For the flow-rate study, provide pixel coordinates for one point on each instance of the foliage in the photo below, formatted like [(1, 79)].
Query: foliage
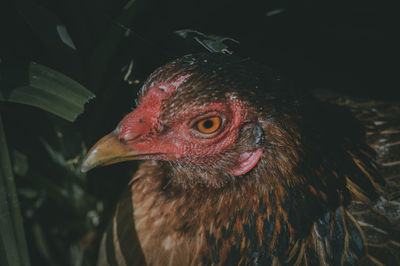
[(11, 231), (49, 90), (45, 88)]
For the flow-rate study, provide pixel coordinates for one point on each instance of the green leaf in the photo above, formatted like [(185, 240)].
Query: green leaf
[(20, 163), (213, 43), (12, 237), (40, 86)]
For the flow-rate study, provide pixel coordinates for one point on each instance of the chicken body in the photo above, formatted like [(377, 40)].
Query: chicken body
[(241, 169)]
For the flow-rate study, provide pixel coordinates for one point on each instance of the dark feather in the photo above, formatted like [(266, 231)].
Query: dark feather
[(317, 196)]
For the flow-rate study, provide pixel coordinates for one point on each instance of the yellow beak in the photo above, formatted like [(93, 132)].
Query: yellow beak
[(108, 150)]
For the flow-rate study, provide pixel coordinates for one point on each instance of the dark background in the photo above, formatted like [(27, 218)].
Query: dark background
[(345, 46)]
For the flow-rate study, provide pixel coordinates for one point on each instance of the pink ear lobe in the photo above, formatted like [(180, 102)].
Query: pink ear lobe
[(246, 162)]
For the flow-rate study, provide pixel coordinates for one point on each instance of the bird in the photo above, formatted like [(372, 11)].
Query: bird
[(241, 167)]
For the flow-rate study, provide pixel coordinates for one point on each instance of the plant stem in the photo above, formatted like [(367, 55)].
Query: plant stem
[(12, 234)]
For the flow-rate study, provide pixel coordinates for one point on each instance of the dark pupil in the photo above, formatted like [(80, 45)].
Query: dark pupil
[(208, 124)]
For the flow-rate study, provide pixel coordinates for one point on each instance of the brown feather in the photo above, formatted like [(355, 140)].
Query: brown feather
[(316, 197)]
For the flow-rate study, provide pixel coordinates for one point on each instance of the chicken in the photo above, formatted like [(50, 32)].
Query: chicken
[(243, 169)]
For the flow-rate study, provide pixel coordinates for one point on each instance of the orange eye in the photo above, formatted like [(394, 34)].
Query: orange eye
[(209, 125)]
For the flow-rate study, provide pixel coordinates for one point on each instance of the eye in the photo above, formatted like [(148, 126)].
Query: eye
[(208, 125)]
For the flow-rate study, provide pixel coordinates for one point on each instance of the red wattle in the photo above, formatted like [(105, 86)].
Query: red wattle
[(246, 162)]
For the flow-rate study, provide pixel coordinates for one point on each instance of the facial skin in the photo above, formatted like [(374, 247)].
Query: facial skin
[(199, 134)]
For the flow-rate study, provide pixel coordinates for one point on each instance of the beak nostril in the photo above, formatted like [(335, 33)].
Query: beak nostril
[(124, 138)]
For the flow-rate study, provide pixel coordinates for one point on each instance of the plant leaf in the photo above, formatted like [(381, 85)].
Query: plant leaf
[(40, 86), (12, 237), (213, 43)]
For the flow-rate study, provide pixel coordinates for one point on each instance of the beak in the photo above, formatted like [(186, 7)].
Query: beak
[(108, 150)]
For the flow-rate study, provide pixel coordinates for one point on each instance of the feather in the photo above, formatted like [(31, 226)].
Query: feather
[(325, 190)]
